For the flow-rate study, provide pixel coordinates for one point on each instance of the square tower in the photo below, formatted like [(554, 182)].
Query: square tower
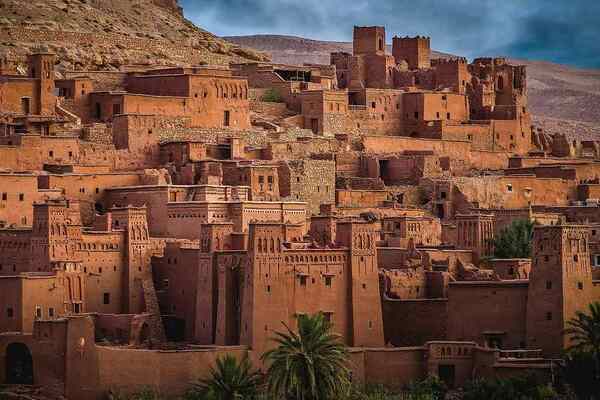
[(41, 67), (560, 283), (369, 40), (416, 51)]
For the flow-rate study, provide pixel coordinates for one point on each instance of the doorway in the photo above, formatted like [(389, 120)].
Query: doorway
[(447, 374), (19, 365), (25, 105), (314, 125)]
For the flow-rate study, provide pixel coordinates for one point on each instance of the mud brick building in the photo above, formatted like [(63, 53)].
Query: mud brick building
[(156, 218)]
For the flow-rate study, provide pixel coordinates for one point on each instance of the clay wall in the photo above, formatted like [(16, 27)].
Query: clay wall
[(360, 198), (507, 269), (492, 309), (88, 189), (414, 322)]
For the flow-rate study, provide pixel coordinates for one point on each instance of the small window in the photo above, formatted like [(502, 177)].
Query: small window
[(38, 312), (51, 312), (575, 258), (21, 197), (327, 281), (70, 154), (548, 316), (261, 179), (10, 312), (448, 116), (328, 316), (303, 280), (4, 196), (268, 288), (580, 285), (416, 115), (373, 105), (364, 285), (370, 324), (106, 298), (548, 285), (50, 154), (270, 179), (509, 188)]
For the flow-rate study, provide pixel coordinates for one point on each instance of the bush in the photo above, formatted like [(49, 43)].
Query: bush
[(431, 388), (514, 241), (518, 388), (271, 96)]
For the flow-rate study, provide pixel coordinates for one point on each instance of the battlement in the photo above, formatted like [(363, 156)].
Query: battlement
[(416, 51), (449, 61)]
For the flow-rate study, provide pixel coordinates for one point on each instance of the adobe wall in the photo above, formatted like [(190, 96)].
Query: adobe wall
[(475, 308), (17, 194), (394, 367), (360, 198), (414, 322)]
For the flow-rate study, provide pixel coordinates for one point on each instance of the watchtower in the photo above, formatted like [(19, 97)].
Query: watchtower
[(369, 40), (41, 67), (560, 283), (416, 51)]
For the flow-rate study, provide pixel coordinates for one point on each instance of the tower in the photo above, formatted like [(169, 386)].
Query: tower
[(369, 40), (560, 283), (365, 299), (55, 233), (41, 67), (137, 267), (416, 51)]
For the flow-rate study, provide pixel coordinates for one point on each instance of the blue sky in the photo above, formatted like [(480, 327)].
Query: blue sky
[(561, 31)]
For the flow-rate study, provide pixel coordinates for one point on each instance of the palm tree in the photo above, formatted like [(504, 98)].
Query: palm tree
[(584, 330), (230, 380), (309, 365)]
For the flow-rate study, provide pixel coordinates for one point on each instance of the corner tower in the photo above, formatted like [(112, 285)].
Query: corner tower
[(560, 284)]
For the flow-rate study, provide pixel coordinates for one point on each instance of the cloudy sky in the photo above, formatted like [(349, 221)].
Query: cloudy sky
[(564, 31)]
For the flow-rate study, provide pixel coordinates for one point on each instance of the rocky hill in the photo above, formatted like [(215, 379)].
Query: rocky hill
[(109, 34), (562, 98)]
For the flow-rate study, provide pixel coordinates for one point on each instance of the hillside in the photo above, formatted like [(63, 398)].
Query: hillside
[(109, 34), (561, 98)]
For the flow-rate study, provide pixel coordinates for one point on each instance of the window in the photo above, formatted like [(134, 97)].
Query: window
[(437, 115), (51, 312), (328, 316), (448, 116), (548, 285), (38, 312), (580, 285), (21, 197), (575, 258), (50, 154), (509, 188), (76, 308), (268, 288), (370, 324), (416, 115), (303, 280), (4, 196), (548, 316), (226, 118), (327, 281), (70, 154), (10, 312), (106, 298), (116, 109)]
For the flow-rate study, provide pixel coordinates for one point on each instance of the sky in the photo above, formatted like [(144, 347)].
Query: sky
[(562, 31)]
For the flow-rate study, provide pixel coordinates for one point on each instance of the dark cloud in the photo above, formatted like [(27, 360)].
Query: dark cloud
[(565, 31)]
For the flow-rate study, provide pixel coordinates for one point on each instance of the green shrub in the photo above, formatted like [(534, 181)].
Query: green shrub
[(271, 96)]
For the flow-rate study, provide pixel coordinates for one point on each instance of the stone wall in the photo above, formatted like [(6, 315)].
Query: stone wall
[(312, 181)]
